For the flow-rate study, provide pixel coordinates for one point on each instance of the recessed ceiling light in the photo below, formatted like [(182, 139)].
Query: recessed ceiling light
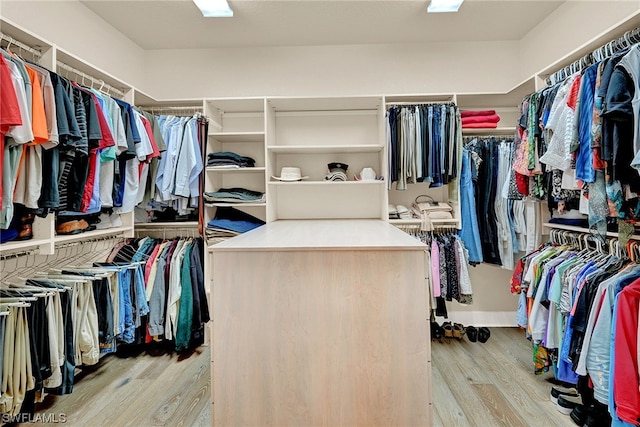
[(214, 8), (438, 6)]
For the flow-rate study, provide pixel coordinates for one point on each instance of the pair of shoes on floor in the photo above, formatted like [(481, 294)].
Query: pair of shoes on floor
[(454, 330), (481, 334)]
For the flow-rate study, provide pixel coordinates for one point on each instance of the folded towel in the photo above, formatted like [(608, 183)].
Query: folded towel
[(479, 125), (469, 113), (494, 118)]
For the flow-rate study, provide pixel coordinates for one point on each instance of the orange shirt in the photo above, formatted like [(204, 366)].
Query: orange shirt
[(38, 114)]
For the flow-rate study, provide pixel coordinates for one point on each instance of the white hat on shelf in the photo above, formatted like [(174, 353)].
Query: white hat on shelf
[(290, 174)]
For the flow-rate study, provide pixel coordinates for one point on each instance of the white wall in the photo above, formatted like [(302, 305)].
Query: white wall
[(332, 70), (76, 29), (572, 25)]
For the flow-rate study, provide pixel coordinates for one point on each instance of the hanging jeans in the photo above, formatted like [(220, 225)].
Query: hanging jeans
[(469, 232)]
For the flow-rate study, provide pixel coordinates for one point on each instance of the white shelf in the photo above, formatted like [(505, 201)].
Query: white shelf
[(227, 204), (168, 224), (325, 183), (67, 238), (22, 245), (237, 136), (320, 104), (316, 149), (236, 170), (412, 221), (582, 230), (493, 131)]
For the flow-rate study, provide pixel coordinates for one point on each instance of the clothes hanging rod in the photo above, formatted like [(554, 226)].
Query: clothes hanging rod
[(89, 240), (173, 109), (417, 104), (18, 254), (103, 85), (11, 41), (627, 40)]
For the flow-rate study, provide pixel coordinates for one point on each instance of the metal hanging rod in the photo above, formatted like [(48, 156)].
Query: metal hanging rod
[(173, 110), (625, 41), (90, 240), (418, 104), (11, 41), (18, 254), (103, 86)]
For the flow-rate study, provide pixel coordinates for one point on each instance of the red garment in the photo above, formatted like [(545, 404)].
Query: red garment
[(91, 180), (626, 376), (482, 125), (9, 109), (470, 113), (154, 145), (106, 141), (493, 118), (522, 182), (516, 278), (572, 100)]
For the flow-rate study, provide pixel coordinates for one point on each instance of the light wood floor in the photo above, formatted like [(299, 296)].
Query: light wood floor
[(474, 384)]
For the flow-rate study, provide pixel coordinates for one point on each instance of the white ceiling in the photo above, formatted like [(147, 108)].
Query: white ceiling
[(178, 24)]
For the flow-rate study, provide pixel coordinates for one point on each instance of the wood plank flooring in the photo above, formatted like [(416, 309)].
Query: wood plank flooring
[(474, 384)]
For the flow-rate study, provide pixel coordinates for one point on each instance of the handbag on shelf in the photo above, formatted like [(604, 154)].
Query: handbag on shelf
[(429, 210), (431, 205)]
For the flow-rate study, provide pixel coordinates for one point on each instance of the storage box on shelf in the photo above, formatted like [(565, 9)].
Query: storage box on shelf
[(236, 125), (310, 133)]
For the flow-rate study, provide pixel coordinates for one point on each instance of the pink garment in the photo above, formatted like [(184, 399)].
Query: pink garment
[(470, 113), (493, 118), (483, 125), (149, 264), (435, 269)]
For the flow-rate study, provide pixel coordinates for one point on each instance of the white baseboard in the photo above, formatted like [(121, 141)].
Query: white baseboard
[(482, 318)]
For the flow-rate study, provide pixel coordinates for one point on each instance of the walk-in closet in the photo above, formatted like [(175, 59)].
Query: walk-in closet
[(320, 213)]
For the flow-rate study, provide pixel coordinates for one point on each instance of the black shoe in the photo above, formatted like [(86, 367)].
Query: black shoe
[(437, 333), (598, 416), (579, 414), (483, 334), (566, 403), (472, 333), (558, 391)]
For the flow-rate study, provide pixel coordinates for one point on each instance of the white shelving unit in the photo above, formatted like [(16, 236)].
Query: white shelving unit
[(236, 125), (310, 133)]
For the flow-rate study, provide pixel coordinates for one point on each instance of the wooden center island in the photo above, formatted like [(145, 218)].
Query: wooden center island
[(320, 323)]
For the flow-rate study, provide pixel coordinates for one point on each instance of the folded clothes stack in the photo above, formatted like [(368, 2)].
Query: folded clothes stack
[(229, 160), (234, 195), (479, 119), (230, 222)]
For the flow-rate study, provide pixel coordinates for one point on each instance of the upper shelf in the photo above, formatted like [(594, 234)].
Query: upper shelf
[(314, 149), (417, 99), (237, 136), (510, 99), (236, 105), (281, 104), (506, 131)]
